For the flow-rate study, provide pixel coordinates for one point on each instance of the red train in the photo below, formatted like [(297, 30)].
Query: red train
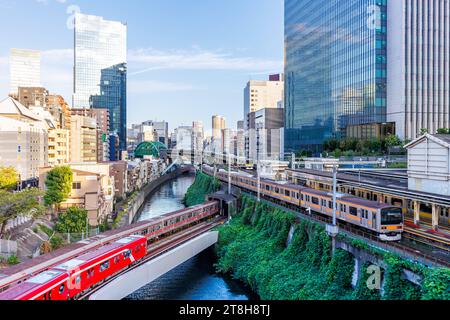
[(70, 279)]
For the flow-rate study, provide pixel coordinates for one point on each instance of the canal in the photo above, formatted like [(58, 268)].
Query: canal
[(195, 279)]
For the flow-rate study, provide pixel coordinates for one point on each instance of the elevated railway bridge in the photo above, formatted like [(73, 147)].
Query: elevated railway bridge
[(114, 264)]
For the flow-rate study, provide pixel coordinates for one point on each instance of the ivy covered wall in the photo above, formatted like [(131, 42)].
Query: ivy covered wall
[(202, 186), (252, 248)]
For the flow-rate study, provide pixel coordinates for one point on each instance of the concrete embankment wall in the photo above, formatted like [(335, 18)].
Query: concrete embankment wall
[(148, 190)]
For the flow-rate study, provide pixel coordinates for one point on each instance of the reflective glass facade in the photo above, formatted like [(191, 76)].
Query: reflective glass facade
[(113, 96), (336, 57), (99, 44)]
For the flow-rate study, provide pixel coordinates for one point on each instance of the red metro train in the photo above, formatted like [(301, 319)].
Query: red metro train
[(70, 279)]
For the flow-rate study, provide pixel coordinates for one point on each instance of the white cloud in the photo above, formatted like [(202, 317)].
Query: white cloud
[(145, 60), (45, 2), (57, 68)]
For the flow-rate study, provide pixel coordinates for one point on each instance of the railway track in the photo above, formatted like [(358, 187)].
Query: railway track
[(161, 248)]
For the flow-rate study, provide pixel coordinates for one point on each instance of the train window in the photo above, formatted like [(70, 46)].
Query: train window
[(287, 193), (104, 266), (303, 197), (63, 287), (324, 203), (330, 204), (277, 190), (127, 254), (77, 281), (116, 260), (391, 216), (343, 208), (315, 200), (353, 211)]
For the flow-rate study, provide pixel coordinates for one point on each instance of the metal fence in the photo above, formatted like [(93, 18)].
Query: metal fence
[(77, 237)]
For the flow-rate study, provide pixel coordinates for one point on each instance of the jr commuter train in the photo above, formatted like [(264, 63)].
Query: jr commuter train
[(384, 220)]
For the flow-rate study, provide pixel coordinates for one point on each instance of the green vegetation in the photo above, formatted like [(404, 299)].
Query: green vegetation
[(8, 178), (13, 260), (74, 220), (253, 249), (55, 240), (356, 147), (203, 185), (24, 203), (443, 131), (123, 208), (59, 185)]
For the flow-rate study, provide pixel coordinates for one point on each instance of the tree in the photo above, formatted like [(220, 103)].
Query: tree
[(443, 131), (393, 141), (8, 178), (72, 221), (423, 131), (59, 185), (24, 203)]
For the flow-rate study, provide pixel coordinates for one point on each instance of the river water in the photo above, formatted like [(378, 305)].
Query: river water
[(195, 279)]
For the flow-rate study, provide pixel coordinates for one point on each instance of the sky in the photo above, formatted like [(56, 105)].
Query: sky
[(187, 59)]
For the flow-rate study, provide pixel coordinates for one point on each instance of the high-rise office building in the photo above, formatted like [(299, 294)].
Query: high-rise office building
[(162, 130), (218, 125), (25, 69), (198, 137), (365, 69), (113, 96), (263, 94), (418, 95), (336, 71), (99, 44), (100, 70)]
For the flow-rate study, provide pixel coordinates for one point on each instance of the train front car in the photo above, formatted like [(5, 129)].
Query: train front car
[(391, 224), (94, 267), (49, 285)]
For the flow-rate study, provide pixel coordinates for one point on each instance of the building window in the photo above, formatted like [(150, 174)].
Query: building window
[(76, 186)]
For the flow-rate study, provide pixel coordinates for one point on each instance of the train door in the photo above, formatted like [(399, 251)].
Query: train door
[(374, 220), (364, 217), (444, 217)]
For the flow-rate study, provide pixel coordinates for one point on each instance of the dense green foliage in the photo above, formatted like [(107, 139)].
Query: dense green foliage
[(253, 249), (55, 240), (202, 186), (74, 220), (59, 185), (358, 147), (8, 178), (24, 203)]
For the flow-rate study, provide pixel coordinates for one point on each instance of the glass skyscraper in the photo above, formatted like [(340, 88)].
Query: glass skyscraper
[(335, 68), (113, 96), (100, 68), (25, 69)]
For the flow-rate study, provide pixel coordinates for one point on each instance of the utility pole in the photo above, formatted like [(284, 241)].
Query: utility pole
[(293, 161), (333, 230), (259, 180), (229, 173)]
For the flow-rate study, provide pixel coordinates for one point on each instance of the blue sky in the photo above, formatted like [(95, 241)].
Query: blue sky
[(188, 59)]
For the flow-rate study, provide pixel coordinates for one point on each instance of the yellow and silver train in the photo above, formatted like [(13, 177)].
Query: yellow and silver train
[(384, 220)]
